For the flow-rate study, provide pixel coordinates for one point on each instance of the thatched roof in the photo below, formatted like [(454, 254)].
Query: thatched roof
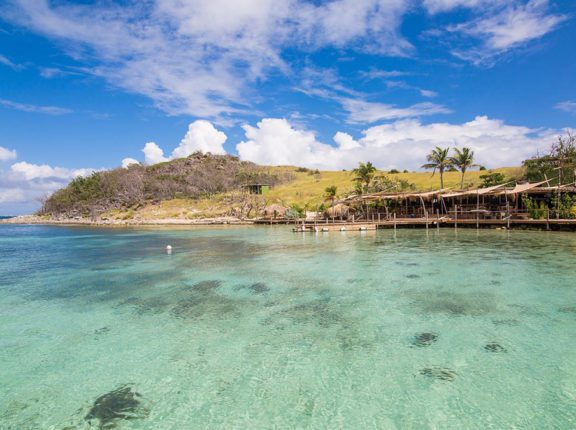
[(337, 210), (274, 210)]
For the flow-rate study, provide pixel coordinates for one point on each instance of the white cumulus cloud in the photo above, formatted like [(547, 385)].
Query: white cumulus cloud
[(201, 136), (153, 154), (127, 162), (24, 185), (276, 142), (29, 171), (7, 154), (402, 144), (13, 195)]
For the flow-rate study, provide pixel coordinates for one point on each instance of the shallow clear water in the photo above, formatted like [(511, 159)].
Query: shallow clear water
[(263, 328)]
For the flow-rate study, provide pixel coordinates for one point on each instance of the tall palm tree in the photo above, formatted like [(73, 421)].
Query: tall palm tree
[(364, 174), (439, 160), (330, 193), (463, 160)]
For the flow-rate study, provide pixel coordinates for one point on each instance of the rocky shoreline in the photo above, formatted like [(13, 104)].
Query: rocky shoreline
[(35, 219)]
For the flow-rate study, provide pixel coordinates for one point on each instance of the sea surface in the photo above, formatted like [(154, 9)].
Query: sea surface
[(259, 327)]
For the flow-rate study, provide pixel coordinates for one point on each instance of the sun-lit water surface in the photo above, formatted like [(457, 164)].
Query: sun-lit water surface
[(263, 328)]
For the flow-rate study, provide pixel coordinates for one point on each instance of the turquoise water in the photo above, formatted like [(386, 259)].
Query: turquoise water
[(262, 328)]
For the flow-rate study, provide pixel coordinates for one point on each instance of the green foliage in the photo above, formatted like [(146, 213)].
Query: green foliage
[(536, 209), (462, 160), (363, 176), (439, 160), (491, 179), (295, 212), (559, 165), (386, 183), (540, 168), (563, 207), (330, 192), (394, 171)]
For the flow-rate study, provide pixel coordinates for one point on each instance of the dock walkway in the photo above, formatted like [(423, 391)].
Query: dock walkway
[(538, 224)]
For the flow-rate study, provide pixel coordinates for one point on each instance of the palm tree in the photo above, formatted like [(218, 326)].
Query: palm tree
[(330, 193), (463, 160), (364, 174), (438, 160)]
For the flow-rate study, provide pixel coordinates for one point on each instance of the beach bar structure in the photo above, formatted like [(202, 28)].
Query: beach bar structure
[(500, 205)]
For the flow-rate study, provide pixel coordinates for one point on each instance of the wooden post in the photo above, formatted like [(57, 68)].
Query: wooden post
[(378, 217), (455, 216), (426, 214), (508, 216), (394, 221), (547, 218), (438, 219), (477, 210), (352, 218), (558, 200)]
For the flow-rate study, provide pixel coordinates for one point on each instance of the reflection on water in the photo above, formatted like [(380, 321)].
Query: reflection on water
[(259, 327)]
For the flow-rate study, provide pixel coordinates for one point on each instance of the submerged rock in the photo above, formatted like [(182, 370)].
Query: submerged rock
[(120, 404), (424, 339), (454, 304), (509, 322), (440, 373), (412, 276), (494, 347), (202, 299), (259, 288), (206, 285), (255, 288)]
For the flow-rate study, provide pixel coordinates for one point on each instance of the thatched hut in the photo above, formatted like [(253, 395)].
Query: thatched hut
[(339, 210), (274, 211)]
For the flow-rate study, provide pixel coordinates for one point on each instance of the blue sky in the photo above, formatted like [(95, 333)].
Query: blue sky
[(90, 85)]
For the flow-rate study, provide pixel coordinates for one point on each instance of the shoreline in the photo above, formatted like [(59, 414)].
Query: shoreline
[(38, 220)]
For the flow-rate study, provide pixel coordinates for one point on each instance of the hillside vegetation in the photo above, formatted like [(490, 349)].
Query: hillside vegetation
[(205, 186), (199, 176), (303, 189)]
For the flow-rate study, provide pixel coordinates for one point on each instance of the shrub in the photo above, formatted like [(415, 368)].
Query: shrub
[(492, 179)]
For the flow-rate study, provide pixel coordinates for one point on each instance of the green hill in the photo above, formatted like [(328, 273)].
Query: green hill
[(304, 189), (207, 186)]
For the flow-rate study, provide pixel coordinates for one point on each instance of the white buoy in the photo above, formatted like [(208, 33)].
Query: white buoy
[(169, 249)]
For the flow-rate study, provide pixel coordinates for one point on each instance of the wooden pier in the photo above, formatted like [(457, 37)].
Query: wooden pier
[(443, 222)]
